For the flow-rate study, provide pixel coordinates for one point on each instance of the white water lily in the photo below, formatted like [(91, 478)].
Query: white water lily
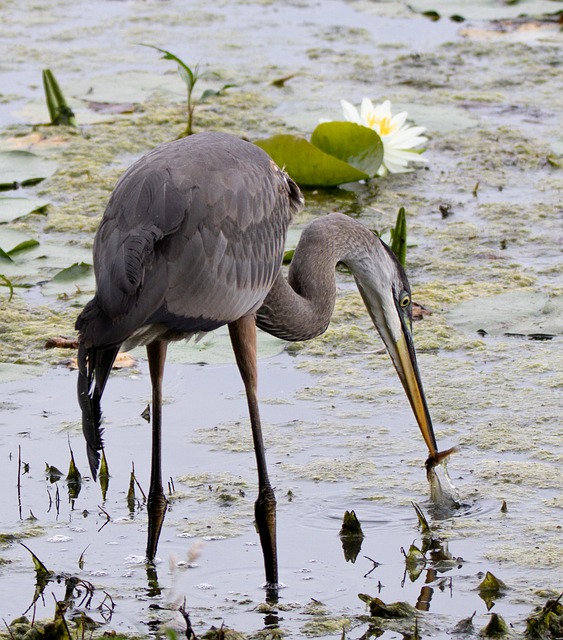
[(399, 139)]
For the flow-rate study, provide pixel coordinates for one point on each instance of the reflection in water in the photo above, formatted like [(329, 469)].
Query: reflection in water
[(351, 546), (423, 601), (271, 619), (441, 560), (103, 477), (432, 559), (73, 492), (153, 588), (56, 501), (73, 480), (78, 597), (415, 561)]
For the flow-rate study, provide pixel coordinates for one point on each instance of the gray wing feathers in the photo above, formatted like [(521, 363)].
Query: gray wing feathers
[(195, 229)]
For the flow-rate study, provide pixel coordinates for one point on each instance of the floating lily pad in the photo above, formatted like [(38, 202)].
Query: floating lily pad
[(441, 118), (70, 274), (14, 208), (10, 238), (128, 86), (37, 113), (77, 278), (23, 168), (517, 312), (308, 165), (214, 348), (10, 372), (356, 145), (12, 244), (40, 262), (484, 9)]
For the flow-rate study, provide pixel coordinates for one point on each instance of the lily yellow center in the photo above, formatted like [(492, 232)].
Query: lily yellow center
[(384, 124)]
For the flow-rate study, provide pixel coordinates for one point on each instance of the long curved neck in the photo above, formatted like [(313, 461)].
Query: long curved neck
[(300, 307)]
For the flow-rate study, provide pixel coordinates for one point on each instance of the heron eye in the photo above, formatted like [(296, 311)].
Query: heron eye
[(405, 300)]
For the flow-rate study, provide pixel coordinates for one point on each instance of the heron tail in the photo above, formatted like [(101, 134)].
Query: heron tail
[(94, 366)]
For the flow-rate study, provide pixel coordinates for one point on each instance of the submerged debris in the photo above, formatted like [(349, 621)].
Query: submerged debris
[(546, 623), (422, 521), (465, 625), (496, 627), (351, 526), (352, 536), (60, 342), (222, 633), (415, 561), (490, 589), (378, 608), (52, 473), (42, 576)]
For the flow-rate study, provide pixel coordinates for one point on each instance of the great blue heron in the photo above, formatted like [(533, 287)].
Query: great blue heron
[(192, 239)]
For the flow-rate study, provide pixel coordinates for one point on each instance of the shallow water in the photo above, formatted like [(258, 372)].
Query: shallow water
[(321, 462), (209, 515), (339, 433)]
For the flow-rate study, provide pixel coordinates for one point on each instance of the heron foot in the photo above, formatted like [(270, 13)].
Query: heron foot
[(156, 509), (265, 514)]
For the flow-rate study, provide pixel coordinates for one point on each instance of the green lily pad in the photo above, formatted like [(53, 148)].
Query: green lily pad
[(41, 262), (307, 164), (14, 208), (352, 143), (70, 281), (10, 238), (23, 168), (12, 244), (70, 274)]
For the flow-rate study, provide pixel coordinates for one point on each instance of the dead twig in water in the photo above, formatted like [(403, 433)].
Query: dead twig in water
[(106, 514), (59, 342), (19, 481), (8, 628), (190, 635), (137, 482), (60, 609), (375, 565), (57, 501)]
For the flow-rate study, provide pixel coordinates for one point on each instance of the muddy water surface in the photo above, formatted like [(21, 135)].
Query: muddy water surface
[(485, 235)]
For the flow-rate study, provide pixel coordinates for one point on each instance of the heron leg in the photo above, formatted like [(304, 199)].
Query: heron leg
[(243, 338), (156, 505)]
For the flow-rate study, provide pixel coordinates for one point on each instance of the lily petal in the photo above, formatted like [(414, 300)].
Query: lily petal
[(350, 112)]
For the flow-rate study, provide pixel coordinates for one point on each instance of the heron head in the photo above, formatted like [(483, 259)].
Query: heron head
[(384, 287)]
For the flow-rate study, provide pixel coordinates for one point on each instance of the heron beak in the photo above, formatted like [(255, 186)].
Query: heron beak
[(407, 369), (390, 324)]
